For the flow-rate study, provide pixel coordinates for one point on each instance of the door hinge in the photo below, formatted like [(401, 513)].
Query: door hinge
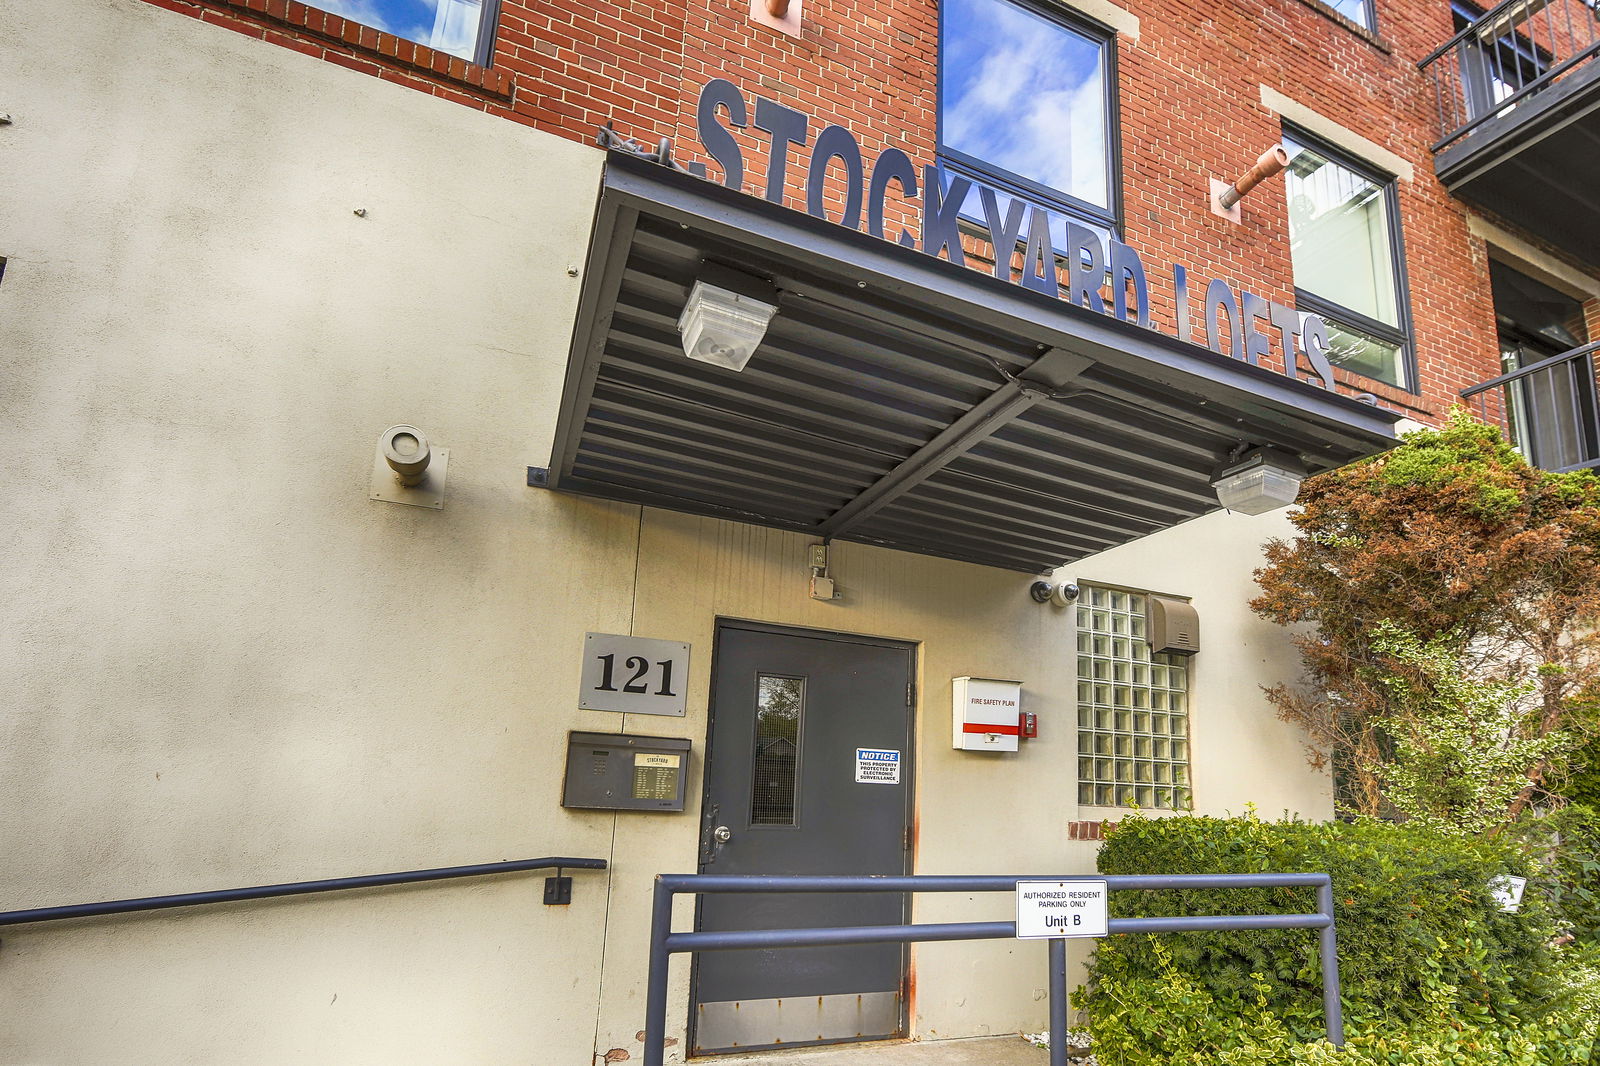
[(905, 841), (911, 693)]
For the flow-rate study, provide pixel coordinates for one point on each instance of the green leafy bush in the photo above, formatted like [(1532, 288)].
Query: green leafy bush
[(1173, 1019), (1418, 930), (1573, 882)]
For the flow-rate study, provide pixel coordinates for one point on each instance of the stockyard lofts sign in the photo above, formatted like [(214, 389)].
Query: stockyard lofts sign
[(1243, 318)]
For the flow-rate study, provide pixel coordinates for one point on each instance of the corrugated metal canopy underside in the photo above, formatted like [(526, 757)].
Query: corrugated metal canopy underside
[(887, 402)]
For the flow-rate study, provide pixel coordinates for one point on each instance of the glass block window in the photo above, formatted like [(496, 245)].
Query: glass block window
[(1133, 708), (780, 703)]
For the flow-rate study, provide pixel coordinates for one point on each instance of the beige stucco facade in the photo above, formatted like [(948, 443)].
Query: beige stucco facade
[(229, 267)]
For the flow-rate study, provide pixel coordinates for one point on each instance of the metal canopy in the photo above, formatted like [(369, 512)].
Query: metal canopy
[(898, 399)]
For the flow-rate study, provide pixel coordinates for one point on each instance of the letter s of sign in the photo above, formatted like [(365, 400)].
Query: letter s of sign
[(714, 137), (1314, 336)]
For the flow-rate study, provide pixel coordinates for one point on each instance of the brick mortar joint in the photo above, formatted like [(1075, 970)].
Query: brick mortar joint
[(417, 67)]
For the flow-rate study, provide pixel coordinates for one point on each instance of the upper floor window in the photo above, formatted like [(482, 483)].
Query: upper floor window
[(1344, 240), (462, 28), (1025, 107), (1357, 11)]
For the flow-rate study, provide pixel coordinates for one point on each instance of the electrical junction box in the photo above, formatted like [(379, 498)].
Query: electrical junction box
[(618, 772), (1173, 625), (986, 714)]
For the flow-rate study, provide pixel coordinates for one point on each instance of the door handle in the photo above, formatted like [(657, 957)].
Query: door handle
[(722, 834)]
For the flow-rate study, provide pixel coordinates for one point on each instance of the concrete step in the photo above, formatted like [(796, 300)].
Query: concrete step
[(977, 1051)]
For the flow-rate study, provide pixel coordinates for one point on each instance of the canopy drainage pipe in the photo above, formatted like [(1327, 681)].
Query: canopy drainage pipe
[(1269, 165)]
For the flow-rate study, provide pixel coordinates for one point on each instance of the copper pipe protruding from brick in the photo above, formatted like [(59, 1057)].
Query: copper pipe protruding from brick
[(1270, 165), (777, 8)]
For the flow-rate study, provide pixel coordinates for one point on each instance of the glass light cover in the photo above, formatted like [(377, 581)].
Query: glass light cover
[(721, 327), (1257, 485)]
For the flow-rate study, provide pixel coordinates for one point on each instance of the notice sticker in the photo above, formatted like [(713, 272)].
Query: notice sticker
[(877, 766), (1047, 910)]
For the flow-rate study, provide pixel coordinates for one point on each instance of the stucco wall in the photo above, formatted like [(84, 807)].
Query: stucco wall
[(221, 664)]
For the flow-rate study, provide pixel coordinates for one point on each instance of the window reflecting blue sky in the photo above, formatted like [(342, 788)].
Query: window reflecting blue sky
[(448, 25), (1026, 94)]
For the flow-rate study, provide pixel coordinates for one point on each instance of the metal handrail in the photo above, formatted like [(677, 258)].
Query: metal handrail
[(664, 943), (1531, 369), (294, 888), (1471, 29), (1498, 51), (1537, 84)]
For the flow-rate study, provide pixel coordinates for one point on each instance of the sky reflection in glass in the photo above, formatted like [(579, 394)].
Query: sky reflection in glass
[(1026, 94), (447, 25)]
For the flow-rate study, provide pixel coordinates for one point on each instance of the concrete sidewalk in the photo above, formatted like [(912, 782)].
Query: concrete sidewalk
[(980, 1051)]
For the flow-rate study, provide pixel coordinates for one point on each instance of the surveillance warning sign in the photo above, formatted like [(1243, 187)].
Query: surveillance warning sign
[(1047, 910), (877, 766)]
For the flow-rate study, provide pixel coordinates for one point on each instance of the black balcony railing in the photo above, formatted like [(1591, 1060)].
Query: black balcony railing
[(1506, 56), (1548, 409)]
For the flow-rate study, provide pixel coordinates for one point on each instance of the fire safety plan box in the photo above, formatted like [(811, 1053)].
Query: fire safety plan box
[(617, 772), (987, 714)]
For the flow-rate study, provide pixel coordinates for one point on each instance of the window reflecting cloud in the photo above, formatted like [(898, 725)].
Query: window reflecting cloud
[(1026, 94), (447, 25)]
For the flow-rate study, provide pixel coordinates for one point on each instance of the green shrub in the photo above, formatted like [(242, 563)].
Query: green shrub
[(1573, 882), (1418, 930), (1172, 1019)]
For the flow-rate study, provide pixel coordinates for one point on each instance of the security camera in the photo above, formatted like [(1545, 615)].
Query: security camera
[(405, 449), (1059, 595)]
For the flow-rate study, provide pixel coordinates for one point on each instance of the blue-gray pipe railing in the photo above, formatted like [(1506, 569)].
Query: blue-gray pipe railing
[(664, 943), (297, 888)]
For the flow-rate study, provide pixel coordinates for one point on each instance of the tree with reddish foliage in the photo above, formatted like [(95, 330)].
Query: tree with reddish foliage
[(1453, 539)]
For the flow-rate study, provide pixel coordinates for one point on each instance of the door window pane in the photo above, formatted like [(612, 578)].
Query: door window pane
[(780, 702), (1026, 94)]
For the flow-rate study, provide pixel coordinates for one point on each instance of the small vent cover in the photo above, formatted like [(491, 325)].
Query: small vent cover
[(1173, 625)]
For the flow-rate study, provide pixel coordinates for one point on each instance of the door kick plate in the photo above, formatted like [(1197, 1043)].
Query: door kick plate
[(796, 1020)]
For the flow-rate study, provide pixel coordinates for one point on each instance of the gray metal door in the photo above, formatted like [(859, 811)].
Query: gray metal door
[(808, 771)]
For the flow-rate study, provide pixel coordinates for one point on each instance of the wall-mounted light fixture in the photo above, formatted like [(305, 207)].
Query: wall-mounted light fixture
[(723, 327), (1258, 480), (408, 469)]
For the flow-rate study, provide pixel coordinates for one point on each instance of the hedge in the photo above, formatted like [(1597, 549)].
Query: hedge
[(1413, 912)]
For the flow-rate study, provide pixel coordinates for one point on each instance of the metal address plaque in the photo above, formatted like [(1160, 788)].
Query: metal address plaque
[(634, 675)]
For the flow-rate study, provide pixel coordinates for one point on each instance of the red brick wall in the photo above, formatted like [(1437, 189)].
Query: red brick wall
[(1189, 102)]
